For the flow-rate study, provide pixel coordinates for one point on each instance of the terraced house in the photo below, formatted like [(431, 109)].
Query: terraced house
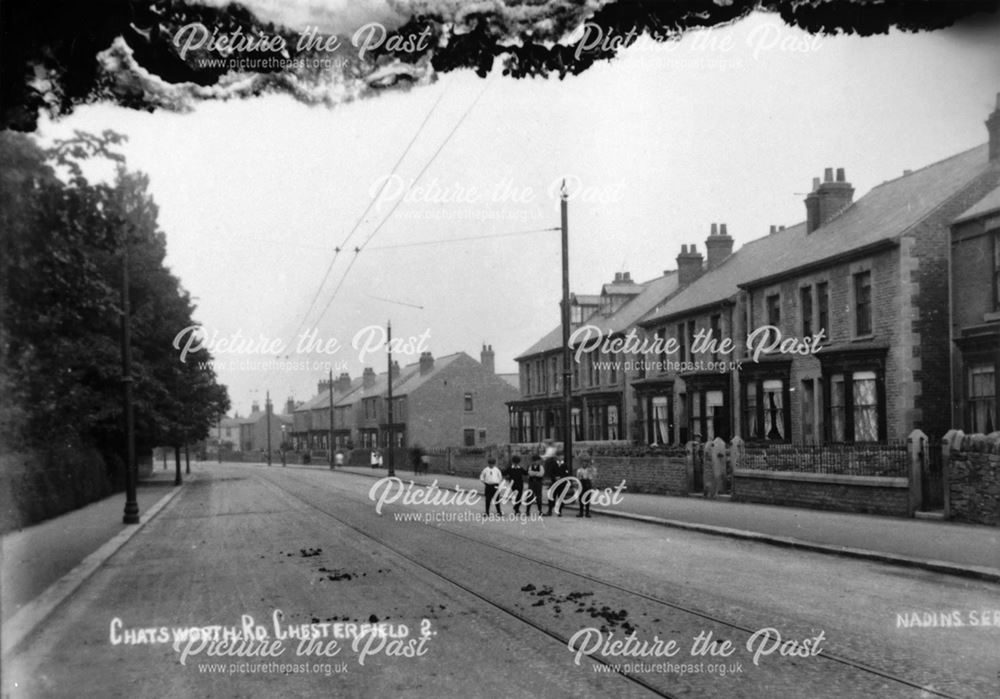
[(602, 391), (859, 291), (438, 402)]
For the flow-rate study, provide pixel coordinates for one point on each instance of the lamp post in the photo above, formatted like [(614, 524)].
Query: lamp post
[(330, 386), (567, 372), (388, 346), (267, 410), (284, 463), (131, 513)]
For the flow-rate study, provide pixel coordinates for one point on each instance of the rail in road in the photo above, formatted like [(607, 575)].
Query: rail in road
[(888, 683)]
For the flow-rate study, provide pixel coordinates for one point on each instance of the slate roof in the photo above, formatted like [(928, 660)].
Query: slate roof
[(650, 293), (408, 380), (882, 215), (987, 205)]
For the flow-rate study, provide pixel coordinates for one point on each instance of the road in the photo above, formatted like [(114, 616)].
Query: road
[(433, 600)]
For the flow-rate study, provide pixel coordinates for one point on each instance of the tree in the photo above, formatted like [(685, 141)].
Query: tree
[(64, 241)]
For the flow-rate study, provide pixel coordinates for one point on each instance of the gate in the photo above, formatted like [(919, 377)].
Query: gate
[(931, 477)]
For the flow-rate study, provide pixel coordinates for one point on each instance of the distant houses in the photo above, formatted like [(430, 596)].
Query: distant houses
[(439, 402)]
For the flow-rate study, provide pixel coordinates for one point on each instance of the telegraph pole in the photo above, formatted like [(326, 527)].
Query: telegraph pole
[(388, 346), (267, 409), (131, 514), (567, 372), (331, 417)]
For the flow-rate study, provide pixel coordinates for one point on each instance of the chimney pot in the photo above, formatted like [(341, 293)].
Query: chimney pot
[(781, 228), (689, 265), (488, 359), (815, 184), (773, 230), (828, 175), (841, 177), (715, 229), (722, 229)]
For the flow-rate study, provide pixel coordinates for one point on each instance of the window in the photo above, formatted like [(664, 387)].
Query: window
[(576, 373), (996, 271), (690, 335), (805, 304), (715, 323), (543, 370), (982, 405), (371, 408), (554, 370), (606, 305), (576, 314), (469, 437), (681, 343), (594, 370), (526, 368), (863, 303), (823, 308), (856, 407), (773, 303), (751, 422), (577, 424), (765, 409), (613, 422), (468, 402), (660, 420), (482, 436), (612, 365)]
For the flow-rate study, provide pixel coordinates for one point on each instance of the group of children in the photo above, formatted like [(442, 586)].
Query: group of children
[(548, 468)]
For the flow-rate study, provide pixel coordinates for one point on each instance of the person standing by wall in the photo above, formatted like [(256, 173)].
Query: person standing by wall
[(586, 474), (536, 472), (491, 478), (557, 491), (515, 474)]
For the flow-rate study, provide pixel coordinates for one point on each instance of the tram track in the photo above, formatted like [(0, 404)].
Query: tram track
[(824, 655)]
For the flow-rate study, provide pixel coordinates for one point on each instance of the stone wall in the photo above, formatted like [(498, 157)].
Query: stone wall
[(868, 494), (972, 478)]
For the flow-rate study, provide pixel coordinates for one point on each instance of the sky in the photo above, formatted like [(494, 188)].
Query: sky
[(728, 125)]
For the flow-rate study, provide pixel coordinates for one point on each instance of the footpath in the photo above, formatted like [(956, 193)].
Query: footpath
[(967, 550), (43, 564)]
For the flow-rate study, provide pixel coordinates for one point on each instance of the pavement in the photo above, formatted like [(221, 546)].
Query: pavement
[(966, 550), (43, 564)]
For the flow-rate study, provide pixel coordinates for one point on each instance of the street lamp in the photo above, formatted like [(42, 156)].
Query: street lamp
[(283, 447), (131, 514)]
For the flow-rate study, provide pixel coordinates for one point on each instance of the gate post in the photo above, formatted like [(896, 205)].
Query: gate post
[(736, 454), (952, 439), (917, 449), (689, 457)]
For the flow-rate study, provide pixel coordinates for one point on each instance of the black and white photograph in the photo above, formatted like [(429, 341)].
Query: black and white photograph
[(500, 348)]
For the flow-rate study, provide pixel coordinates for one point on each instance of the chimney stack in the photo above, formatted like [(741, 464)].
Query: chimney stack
[(322, 386), (689, 265), (254, 407), (719, 245), (827, 199), (426, 363), (487, 359), (368, 377), (343, 383), (993, 128), (289, 406), (395, 369)]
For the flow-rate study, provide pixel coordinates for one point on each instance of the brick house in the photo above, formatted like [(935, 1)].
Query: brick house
[(871, 274), (437, 402), (311, 428), (975, 315), (601, 393), (254, 429)]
